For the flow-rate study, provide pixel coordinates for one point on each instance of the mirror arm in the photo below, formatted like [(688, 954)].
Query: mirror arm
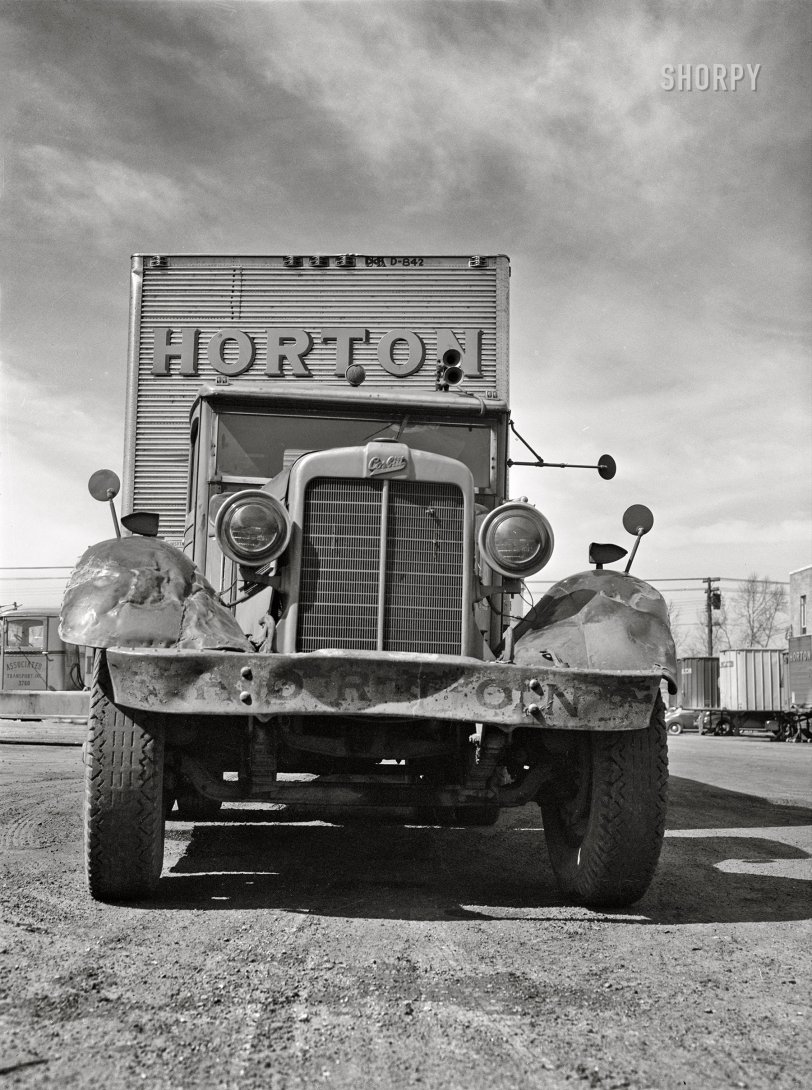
[(606, 466), (637, 541), (110, 497), (539, 460)]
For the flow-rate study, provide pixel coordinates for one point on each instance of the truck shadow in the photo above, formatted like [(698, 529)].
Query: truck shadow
[(725, 859)]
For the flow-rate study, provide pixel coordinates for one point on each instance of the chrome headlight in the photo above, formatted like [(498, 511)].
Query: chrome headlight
[(516, 540), (252, 528)]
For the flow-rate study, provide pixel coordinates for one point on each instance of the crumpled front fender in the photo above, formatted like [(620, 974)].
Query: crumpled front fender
[(142, 592), (603, 620)]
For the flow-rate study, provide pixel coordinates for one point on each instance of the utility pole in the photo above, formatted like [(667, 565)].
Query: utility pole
[(712, 596)]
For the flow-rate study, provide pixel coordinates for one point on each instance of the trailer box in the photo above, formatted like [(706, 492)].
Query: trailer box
[(308, 323), (751, 679), (698, 681)]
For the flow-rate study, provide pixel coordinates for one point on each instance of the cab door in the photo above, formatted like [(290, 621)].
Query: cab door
[(25, 653)]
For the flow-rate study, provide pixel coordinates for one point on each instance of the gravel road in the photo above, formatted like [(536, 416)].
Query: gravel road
[(293, 953)]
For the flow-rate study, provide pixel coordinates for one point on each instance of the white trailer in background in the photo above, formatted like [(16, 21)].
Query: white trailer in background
[(754, 695)]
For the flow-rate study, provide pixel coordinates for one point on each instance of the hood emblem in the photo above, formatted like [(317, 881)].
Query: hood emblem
[(392, 464)]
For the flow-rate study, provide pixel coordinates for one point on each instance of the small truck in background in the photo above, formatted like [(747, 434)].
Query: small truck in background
[(40, 675), (319, 570)]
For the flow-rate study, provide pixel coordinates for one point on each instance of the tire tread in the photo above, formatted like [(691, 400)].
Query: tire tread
[(616, 860), (124, 826)]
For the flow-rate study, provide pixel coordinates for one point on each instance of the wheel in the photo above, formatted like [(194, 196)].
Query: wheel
[(124, 803), (193, 805), (675, 727), (604, 830)]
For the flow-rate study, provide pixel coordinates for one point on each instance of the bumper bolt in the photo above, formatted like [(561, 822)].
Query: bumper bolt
[(245, 697), (247, 673)]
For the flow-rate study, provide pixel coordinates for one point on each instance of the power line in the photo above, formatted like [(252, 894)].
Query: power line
[(40, 567)]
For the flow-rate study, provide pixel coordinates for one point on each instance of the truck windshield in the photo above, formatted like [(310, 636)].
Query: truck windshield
[(24, 634), (250, 445)]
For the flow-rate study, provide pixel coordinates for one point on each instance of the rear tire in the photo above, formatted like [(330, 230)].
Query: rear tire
[(605, 830), (124, 804)]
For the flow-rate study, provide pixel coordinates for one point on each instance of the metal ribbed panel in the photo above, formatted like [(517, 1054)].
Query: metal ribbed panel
[(750, 679), (339, 584), (254, 293), (424, 568), (698, 680)]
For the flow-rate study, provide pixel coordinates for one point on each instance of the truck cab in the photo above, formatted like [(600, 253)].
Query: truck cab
[(380, 497)]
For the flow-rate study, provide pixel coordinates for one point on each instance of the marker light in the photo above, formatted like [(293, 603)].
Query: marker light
[(252, 528), (516, 540)]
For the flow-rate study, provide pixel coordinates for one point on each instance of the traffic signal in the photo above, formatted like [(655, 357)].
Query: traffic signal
[(716, 599)]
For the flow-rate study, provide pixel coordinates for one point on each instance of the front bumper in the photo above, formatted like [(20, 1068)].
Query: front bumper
[(359, 683)]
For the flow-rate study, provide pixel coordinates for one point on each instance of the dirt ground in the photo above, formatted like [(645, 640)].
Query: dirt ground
[(284, 953)]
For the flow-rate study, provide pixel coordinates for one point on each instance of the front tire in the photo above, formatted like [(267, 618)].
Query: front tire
[(124, 804), (604, 829)]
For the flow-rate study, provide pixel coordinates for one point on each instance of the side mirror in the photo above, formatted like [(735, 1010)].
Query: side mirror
[(104, 486), (607, 467), (637, 520)]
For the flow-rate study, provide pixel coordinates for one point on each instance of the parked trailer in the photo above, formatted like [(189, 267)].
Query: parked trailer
[(753, 695), (40, 675), (697, 692)]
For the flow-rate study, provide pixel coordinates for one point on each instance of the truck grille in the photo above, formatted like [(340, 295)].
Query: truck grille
[(405, 535)]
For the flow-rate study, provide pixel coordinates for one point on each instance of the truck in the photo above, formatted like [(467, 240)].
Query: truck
[(40, 675), (314, 600)]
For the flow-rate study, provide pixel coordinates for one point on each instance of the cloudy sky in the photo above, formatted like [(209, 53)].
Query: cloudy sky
[(660, 240)]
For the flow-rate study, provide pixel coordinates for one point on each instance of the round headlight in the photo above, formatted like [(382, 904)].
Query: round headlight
[(516, 540), (252, 528)]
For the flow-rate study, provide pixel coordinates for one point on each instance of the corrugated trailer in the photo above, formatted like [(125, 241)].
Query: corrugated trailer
[(751, 680), (200, 319), (698, 680), (754, 695)]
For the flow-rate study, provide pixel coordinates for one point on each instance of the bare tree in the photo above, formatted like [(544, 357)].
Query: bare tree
[(757, 611), (695, 641), (681, 638)]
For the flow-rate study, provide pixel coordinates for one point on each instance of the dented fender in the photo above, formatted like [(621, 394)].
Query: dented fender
[(599, 620), (142, 592)]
